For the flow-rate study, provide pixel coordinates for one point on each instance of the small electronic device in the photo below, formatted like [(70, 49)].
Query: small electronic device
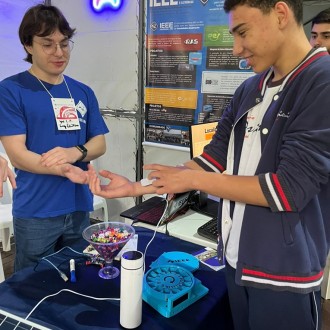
[(151, 210), (209, 230), (169, 286), (182, 259), (131, 281)]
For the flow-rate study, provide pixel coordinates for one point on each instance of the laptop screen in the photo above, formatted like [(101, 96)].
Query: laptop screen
[(200, 135), (152, 210), (176, 203)]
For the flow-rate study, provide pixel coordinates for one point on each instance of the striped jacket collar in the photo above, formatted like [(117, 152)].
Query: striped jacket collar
[(313, 55)]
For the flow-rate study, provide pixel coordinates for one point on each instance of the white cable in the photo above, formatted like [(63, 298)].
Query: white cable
[(64, 247), (55, 294), (64, 277), (80, 294), (154, 234), (316, 312)]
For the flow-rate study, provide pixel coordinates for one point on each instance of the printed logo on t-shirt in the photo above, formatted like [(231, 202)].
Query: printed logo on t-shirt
[(253, 122)]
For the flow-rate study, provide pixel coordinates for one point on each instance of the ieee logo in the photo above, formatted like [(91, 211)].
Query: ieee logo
[(153, 26), (99, 5)]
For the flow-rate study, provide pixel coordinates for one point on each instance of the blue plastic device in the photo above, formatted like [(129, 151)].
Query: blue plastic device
[(169, 286)]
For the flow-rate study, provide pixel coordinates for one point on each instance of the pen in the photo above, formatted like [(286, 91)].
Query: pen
[(72, 271)]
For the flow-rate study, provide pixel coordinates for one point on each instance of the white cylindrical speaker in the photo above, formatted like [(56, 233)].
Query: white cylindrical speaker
[(131, 282)]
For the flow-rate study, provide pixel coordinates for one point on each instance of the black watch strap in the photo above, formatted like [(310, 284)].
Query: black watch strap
[(83, 150)]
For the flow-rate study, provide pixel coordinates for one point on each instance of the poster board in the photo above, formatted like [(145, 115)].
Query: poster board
[(191, 73)]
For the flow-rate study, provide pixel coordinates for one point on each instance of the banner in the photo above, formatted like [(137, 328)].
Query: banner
[(191, 73)]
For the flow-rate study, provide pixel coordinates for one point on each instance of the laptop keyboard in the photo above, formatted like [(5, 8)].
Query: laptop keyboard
[(153, 215), (209, 230), (151, 210)]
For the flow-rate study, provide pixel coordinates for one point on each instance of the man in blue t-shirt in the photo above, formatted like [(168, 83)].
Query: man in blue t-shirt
[(48, 122)]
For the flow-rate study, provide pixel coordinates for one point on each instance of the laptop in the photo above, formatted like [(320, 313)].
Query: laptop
[(152, 210), (199, 136), (12, 321)]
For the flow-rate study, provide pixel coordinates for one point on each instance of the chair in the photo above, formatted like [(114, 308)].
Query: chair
[(6, 225), (6, 217), (101, 203)]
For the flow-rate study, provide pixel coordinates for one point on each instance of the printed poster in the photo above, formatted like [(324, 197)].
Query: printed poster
[(191, 73)]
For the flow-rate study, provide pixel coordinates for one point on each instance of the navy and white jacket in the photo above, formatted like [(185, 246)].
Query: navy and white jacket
[(284, 246)]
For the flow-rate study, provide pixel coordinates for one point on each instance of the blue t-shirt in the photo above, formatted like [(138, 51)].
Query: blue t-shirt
[(26, 108)]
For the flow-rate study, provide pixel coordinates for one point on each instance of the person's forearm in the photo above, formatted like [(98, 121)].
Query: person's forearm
[(139, 189), (30, 162), (192, 165), (244, 189), (96, 147)]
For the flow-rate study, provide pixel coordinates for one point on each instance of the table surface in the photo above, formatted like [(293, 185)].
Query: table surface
[(67, 310), (184, 227)]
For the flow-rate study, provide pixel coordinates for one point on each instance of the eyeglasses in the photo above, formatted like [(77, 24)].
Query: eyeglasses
[(50, 47)]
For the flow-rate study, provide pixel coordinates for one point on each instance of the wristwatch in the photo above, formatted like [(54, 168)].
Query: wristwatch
[(83, 150)]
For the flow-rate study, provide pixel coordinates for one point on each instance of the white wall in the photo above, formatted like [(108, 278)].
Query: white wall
[(105, 57), (11, 50), (105, 51)]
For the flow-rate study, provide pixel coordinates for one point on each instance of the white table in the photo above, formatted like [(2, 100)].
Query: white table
[(183, 227)]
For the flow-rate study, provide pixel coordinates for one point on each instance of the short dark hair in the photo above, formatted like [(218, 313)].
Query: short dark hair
[(266, 5), (322, 17), (42, 20)]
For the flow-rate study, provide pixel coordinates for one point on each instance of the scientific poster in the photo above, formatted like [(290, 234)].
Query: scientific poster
[(191, 73)]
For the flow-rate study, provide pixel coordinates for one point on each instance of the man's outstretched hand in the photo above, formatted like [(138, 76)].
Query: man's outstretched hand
[(119, 186), (74, 173)]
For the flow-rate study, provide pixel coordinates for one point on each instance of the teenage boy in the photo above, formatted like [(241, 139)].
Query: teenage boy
[(269, 162)]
